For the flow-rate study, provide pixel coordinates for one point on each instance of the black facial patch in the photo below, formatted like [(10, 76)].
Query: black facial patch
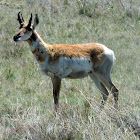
[(16, 37), (29, 28), (33, 36), (20, 26)]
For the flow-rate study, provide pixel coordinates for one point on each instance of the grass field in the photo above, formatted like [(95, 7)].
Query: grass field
[(26, 99)]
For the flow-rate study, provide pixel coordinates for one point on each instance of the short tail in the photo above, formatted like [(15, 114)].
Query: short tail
[(110, 54)]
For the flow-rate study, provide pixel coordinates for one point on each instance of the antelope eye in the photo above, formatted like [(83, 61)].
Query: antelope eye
[(29, 28), (20, 26)]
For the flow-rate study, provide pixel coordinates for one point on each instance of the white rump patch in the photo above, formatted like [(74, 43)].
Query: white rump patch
[(109, 53)]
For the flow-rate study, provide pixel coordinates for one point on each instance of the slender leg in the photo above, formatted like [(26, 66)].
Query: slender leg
[(56, 90), (102, 89), (115, 92), (105, 95), (109, 85)]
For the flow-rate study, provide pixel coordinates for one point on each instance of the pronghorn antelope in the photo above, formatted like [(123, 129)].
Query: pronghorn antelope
[(70, 61)]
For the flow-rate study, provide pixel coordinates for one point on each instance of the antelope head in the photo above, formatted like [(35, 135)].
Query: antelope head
[(26, 30)]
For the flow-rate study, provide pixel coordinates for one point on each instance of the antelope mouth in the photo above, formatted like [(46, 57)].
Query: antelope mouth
[(16, 39)]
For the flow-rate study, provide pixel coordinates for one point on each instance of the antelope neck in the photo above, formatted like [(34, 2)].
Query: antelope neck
[(34, 41)]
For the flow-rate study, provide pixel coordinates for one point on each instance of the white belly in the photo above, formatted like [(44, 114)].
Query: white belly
[(68, 67)]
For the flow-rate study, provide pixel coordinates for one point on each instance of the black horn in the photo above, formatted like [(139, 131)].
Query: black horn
[(30, 21)]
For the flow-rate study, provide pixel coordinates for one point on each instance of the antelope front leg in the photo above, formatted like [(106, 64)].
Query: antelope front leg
[(56, 90)]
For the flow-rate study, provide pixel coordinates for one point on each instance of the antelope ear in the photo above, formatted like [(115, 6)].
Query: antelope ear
[(36, 21), (30, 22)]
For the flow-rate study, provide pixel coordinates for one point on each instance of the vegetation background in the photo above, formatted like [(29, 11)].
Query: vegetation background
[(26, 101)]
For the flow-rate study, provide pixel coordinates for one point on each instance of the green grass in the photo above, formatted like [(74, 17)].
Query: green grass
[(26, 99)]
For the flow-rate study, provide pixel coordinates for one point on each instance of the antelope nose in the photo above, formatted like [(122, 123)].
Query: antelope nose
[(14, 38)]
